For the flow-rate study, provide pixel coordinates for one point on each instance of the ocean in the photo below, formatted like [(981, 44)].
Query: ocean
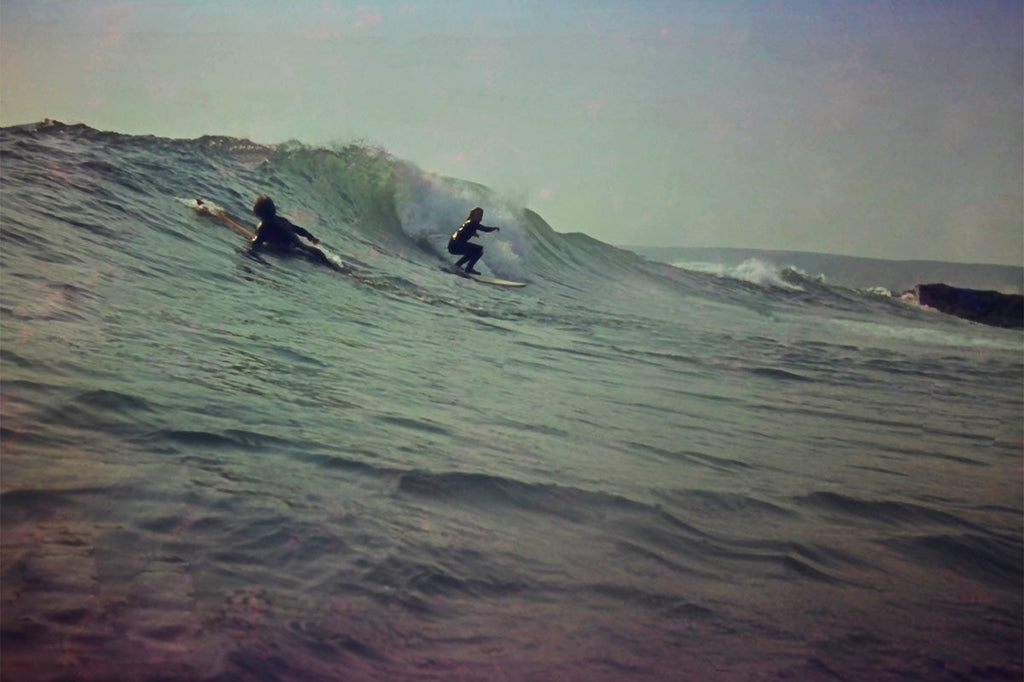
[(218, 467)]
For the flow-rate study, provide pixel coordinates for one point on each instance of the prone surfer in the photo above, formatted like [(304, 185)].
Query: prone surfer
[(460, 245), (281, 234)]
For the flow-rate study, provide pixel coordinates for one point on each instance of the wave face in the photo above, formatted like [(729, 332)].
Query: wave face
[(218, 467)]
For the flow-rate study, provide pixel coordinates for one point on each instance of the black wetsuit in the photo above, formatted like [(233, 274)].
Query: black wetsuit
[(280, 233), (283, 235), (460, 245)]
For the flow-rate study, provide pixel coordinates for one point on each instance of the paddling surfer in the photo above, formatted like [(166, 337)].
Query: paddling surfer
[(279, 233), (460, 245)]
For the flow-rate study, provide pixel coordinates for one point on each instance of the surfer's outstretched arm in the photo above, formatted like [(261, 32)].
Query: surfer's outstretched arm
[(303, 232), (314, 253)]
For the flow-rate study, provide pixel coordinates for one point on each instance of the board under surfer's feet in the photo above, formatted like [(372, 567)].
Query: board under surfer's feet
[(471, 271)]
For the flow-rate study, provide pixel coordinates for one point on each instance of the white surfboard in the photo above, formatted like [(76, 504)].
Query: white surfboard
[(204, 207), (483, 279)]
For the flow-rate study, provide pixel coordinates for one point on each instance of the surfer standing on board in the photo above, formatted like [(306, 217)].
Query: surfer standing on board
[(281, 234), (459, 243)]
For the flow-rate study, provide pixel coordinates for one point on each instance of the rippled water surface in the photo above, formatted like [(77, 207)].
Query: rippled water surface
[(217, 468)]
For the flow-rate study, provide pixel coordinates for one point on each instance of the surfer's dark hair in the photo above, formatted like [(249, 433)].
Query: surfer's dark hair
[(476, 210), (264, 207)]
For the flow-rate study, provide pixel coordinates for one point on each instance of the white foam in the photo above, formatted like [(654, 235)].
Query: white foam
[(970, 337), (751, 270), (431, 207)]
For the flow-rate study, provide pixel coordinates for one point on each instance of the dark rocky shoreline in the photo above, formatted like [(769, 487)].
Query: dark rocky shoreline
[(986, 307)]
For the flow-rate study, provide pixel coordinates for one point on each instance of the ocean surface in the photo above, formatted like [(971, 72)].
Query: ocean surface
[(218, 467)]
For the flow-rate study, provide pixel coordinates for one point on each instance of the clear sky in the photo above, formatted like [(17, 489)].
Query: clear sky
[(880, 128)]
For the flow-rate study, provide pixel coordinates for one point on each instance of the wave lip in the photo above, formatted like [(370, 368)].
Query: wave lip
[(753, 271)]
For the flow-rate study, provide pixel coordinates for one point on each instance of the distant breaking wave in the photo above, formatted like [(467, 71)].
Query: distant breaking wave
[(754, 271)]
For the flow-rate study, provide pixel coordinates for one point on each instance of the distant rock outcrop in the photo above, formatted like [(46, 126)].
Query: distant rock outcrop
[(987, 307)]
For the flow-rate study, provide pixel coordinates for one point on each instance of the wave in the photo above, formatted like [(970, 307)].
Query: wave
[(989, 558), (262, 468), (386, 217), (643, 531), (751, 270), (883, 511), (494, 490)]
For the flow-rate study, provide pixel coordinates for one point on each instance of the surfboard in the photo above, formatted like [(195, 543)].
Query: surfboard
[(204, 207), (482, 279)]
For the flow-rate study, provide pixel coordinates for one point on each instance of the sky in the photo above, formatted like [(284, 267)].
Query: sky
[(878, 128)]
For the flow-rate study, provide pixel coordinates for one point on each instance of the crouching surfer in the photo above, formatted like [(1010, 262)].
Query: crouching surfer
[(279, 233), (460, 245)]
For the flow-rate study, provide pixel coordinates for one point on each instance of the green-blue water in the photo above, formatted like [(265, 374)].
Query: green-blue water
[(217, 468)]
